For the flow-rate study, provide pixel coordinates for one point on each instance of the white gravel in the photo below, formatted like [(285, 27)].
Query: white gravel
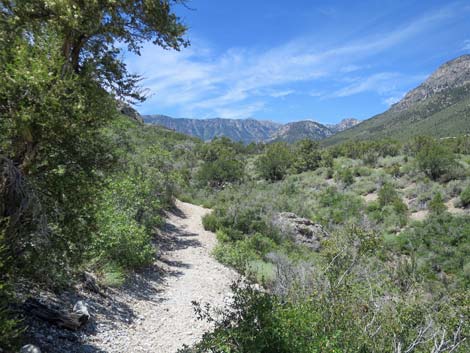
[(162, 317)]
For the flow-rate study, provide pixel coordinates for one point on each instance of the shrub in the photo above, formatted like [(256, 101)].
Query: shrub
[(437, 205), (9, 328), (465, 197), (307, 156), (346, 176), (209, 222), (387, 195), (435, 160), (274, 164), (223, 170)]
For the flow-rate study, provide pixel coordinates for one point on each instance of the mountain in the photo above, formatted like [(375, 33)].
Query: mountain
[(343, 125), (439, 107), (300, 130), (250, 130), (245, 130)]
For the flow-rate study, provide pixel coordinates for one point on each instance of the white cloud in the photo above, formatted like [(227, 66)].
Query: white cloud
[(466, 45), (203, 81)]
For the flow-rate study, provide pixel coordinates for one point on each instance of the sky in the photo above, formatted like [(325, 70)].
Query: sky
[(300, 59)]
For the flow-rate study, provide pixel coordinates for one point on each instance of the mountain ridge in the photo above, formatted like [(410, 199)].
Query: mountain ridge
[(438, 107), (250, 130)]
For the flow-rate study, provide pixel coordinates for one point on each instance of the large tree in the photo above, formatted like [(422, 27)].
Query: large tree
[(60, 73), (92, 32)]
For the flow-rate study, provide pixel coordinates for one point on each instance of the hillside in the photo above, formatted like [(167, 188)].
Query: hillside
[(250, 130), (439, 107)]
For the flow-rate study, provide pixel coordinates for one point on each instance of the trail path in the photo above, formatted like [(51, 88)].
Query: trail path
[(163, 317)]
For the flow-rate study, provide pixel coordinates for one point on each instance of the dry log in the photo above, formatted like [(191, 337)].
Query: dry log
[(56, 316)]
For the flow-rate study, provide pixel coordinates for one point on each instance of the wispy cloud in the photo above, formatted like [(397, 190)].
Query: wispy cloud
[(466, 45), (239, 82)]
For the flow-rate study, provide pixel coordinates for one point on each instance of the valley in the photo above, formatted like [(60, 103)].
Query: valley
[(122, 232)]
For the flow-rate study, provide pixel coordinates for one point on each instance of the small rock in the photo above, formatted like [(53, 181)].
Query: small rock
[(29, 348), (81, 308)]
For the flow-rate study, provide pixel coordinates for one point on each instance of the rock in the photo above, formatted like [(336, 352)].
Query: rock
[(81, 309), (302, 230), (127, 110), (29, 348)]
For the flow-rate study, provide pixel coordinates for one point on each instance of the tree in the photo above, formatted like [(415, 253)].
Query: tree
[(222, 163), (307, 155), (274, 164), (434, 159), (60, 73), (90, 32)]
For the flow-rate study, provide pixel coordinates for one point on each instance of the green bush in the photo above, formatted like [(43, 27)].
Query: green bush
[(9, 326), (307, 156), (345, 176), (274, 164), (465, 197), (387, 195), (209, 222), (437, 205), (435, 160)]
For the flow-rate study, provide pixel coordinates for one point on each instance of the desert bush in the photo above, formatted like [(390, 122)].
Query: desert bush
[(337, 207), (465, 197), (209, 221), (436, 205), (435, 160), (387, 195), (345, 176), (274, 164), (307, 156)]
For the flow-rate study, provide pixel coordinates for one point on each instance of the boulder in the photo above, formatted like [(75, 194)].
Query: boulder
[(302, 230)]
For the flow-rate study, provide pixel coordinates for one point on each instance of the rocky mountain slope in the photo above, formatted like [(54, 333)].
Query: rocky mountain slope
[(440, 107), (250, 130), (300, 130), (343, 125)]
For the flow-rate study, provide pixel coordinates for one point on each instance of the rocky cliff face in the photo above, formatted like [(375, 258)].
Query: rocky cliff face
[(343, 125), (453, 74)]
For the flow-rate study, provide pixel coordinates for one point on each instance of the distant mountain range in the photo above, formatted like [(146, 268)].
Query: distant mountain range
[(439, 107), (250, 130)]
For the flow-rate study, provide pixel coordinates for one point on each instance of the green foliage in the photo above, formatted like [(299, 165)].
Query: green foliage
[(387, 195), (307, 156), (88, 34), (209, 222), (222, 163), (434, 159), (465, 197), (442, 244), (9, 328), (121, 239), (338, 207), (345, 175), (274, 164), (437, 205)]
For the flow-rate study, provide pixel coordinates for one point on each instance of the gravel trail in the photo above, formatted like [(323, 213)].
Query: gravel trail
[(163, 318)]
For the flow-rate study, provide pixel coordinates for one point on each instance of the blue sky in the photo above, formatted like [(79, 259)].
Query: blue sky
[(293, 60)]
